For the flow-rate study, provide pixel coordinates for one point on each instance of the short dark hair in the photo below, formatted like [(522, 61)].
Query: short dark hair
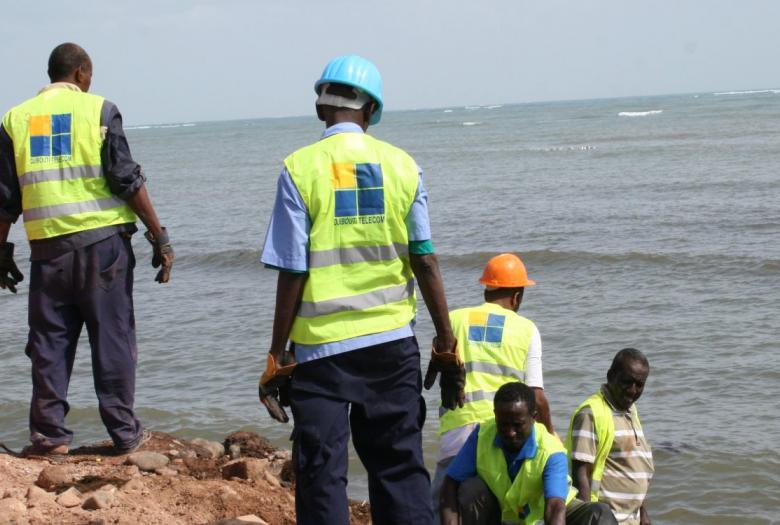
[(626, 355), (65, 59), (515, 392), (500, 293)]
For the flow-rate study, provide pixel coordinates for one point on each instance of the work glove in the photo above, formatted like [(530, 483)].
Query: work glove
[(162, 254), (452, 380), (274, 386), (10, 275)]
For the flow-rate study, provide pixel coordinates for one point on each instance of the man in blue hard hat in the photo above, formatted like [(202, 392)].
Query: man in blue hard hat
[(348, 234)]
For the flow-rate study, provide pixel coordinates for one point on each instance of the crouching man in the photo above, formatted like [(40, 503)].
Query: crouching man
[(512, 470)]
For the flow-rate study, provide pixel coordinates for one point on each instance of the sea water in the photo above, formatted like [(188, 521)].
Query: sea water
[(648, 222)]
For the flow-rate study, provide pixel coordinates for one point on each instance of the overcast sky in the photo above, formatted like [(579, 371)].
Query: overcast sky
[(182, 61)]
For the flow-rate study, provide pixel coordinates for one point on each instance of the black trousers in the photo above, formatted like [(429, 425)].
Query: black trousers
[(376, 393), (93, 286)]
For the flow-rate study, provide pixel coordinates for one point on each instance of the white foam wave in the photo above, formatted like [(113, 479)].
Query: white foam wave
[(640, 113), (749, 92), (447, 111), (163, 126), (471, 123), (583, 147)]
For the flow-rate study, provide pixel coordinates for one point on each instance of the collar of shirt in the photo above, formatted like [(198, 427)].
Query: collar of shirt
[(611, 402), (527, 451), (342, 127), (493, 307), (60, 85)]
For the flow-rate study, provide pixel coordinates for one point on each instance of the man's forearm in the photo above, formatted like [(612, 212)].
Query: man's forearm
[(554, 511), (581, 478), (141, 204), (448, 502), (426, 270), (289, 289), (5, 227), (543, 409)]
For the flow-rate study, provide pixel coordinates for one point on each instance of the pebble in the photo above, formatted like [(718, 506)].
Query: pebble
[(148, 461), (214, 449), (37, 496), (99, 500), (165, 471), (53, 477), (235, 451), (70, 498), (247, 468)]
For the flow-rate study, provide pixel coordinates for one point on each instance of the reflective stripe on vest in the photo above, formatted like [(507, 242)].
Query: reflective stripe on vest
[(605, 435), (57, 142), (493, 342), (521, 499), (358, 192)]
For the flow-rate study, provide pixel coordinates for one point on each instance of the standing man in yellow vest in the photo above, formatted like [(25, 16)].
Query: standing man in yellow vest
[(348, 234), (66, 167), (611, 459), (498, 346), (512, 470)]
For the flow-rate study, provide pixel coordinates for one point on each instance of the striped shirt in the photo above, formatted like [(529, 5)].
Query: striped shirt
[(629, 466)]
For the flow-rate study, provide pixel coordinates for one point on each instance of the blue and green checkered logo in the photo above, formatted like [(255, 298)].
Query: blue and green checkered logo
[(485, 327), (50, 135), (359, 189)]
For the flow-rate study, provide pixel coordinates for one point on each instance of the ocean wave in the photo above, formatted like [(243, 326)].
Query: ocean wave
[(640, 113), (163, 126), (470, 123), (223, 259), (749, 92), (554, 257), (554, 149)]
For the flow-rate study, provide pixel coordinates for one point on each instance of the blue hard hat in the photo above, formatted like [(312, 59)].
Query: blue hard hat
[(358, 72)]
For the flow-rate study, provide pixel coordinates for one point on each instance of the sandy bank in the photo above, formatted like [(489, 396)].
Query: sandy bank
[(168, 481)]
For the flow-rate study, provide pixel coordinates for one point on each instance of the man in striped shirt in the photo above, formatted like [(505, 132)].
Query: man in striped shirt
[(611, 460)]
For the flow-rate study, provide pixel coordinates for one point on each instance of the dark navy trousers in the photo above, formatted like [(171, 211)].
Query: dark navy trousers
[(93, 286), (375, 391)]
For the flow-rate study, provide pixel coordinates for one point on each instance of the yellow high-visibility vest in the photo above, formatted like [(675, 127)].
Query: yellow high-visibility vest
[(57, 142), (522, 500), (493, 343), (358, 192), (605, 436)]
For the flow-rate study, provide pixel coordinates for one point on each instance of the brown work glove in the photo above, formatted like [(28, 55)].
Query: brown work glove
[(162, 254), (10, 275), (274, 386), (452, 380)]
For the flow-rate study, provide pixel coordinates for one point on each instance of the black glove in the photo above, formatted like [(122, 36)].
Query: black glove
[(162, 254), (452, 382), (274, 386), (10, 275)]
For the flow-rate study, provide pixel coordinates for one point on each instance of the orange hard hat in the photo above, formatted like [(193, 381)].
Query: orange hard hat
[(505, 271)]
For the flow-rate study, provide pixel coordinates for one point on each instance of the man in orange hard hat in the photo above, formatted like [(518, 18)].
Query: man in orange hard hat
[(498, 346)]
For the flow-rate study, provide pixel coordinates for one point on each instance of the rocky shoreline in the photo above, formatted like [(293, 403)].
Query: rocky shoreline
[(169, 481)]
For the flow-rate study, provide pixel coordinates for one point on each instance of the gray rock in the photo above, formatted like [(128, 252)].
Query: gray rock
[(70, 498), (54, 477), (213, 449), (165, 471), (99, 500), (148, 461), (235, 451)]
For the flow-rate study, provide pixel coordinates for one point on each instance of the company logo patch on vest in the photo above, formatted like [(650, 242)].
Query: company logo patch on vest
[(50, 136), (485, 327), (360, 194)]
